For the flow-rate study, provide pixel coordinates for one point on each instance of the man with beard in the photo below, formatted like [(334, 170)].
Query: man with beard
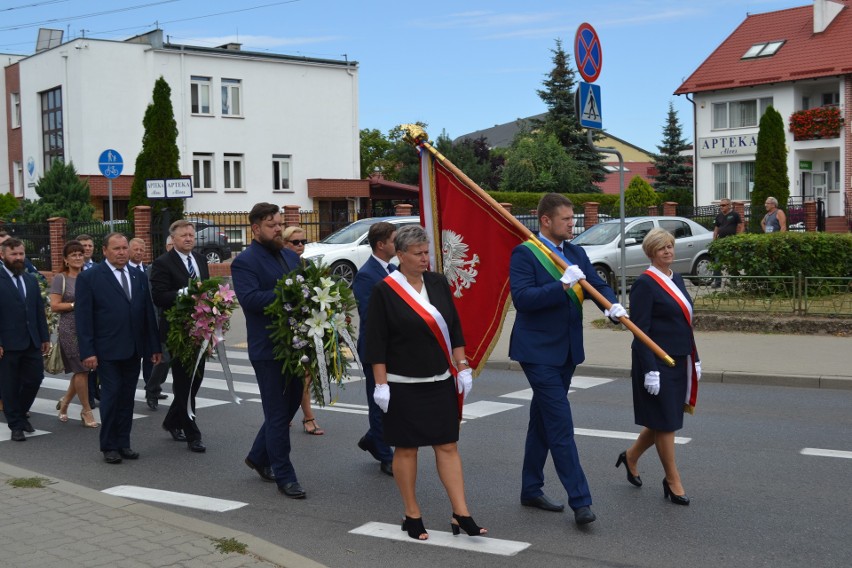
[(24, 338), (255, 272)]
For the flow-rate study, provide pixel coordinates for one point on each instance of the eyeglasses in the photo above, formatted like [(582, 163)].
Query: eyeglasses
[(299, 242)]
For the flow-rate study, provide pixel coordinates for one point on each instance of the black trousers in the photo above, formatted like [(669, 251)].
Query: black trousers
[(184, 389), (21, 373)]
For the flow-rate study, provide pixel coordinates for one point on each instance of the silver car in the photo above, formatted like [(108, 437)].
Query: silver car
[(601, 243)]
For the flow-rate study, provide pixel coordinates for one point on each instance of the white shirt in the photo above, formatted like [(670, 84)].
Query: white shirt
[(117, 273), (183, 258), (382, 262)]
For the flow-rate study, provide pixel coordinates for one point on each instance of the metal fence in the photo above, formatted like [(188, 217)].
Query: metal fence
[(36, 239)]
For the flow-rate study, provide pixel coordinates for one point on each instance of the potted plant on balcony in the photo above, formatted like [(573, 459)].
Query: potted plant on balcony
[(820, 122)]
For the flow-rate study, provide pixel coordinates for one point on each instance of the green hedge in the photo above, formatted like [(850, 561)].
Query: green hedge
[(785, 254)]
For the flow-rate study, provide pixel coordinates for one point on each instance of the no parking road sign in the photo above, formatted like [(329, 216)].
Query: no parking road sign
[(588, 52)]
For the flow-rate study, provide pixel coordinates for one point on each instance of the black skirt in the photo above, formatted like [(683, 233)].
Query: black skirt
[(422, 414), (663, 412)]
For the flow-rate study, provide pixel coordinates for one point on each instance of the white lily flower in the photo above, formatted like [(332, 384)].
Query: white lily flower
[(326, 282), (338, 320), (317, 324), (324, 298)]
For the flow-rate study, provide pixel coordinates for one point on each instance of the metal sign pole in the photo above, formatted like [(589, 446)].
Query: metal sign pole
[(109, 189)]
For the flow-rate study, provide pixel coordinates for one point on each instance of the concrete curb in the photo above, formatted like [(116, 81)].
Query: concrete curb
[(257, 547)]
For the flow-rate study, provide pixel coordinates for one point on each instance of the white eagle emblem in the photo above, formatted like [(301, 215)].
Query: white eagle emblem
[(460, 273)]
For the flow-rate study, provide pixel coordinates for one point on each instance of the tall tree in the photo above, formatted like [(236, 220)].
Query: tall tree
[(770, 167), (536, 162), (473, 157), (374, 149), (674, 170), (159, 156), (61, 194), (561, 119)]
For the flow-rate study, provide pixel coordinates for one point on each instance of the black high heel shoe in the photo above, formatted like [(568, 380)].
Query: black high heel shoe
[(414, 527), (634, 479), (676, 499), (467, 525)]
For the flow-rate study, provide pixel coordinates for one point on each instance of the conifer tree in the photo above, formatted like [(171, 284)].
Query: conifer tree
[(61, 194), (770, 167), (159, 156), (674, 171)]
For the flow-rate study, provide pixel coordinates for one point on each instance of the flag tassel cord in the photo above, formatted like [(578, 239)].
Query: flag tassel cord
[(416, 136)]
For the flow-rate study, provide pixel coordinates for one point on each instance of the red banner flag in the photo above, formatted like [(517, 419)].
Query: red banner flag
[(471, 243)]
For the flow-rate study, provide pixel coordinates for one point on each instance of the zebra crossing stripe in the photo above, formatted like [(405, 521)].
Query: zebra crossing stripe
[(445, 539), (188, 500)]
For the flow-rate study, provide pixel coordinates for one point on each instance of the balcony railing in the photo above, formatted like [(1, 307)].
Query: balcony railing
[(821, 122)]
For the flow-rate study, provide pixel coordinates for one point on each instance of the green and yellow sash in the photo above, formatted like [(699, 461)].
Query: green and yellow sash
[(576, 291)]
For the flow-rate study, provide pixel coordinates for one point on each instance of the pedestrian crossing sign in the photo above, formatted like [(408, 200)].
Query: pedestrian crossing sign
[(589, 106)]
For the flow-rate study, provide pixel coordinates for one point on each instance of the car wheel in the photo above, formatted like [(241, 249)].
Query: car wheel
[(702, 273), (213, 256), (605, 274), (344, 270)]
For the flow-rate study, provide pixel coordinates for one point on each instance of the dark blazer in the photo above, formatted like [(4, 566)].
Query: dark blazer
[(655, 312), (254, 273), (108, 325), (548, 326), (362, 287), (21, 325), (168, 274)]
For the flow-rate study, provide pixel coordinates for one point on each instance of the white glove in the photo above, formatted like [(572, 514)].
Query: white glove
[(652, 382), (183, 291), (572, 275), (381, 396), (698, 370), (616, 311), (465, 382)]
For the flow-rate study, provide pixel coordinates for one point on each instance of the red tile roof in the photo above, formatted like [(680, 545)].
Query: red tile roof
[(805, 55), (645, 170)]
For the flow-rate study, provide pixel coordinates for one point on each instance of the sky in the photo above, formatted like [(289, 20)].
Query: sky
[(459, 66)]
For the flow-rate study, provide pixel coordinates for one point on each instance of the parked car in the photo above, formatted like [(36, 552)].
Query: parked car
[(531, 222), (210, 240), (601, 243), (346, 250)]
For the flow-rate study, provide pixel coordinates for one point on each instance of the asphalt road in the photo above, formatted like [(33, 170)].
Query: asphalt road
[(756, 500)]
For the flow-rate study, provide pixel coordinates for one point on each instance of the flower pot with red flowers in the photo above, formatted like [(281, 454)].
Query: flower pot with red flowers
[(820, 122)]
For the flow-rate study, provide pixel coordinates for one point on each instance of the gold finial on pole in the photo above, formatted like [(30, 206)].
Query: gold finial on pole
[(414, 134)]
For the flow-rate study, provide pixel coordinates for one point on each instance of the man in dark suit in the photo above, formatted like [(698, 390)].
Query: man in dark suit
[(116, 327), (547, 340), (255, 272), (24, 338), (170, 276), (377, 267), (137, 256)]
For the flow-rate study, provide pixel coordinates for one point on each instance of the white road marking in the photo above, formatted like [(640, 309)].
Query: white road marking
[(619, 435), (826, 453), (484, 544), (579, 382), (173, 498), (483, 408)]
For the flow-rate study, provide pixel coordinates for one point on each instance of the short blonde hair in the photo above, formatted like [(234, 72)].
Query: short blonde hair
[(289, 231), (656, 239)]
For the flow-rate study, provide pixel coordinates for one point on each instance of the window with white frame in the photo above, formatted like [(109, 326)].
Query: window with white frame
[(733, 180), (232, 170), (15, 109), (281, 172), (232, 104), (739, 114), (202, 171), (833, 170), (200, 95), (18, 174)]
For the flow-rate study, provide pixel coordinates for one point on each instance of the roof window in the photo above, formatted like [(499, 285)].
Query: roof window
[(764, 49)]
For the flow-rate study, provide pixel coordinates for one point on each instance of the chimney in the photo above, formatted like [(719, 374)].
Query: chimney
[(824, 13)]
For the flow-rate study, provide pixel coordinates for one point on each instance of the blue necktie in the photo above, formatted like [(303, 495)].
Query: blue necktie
[(20, 282), (124, 282), (391, 267), (190, 268)]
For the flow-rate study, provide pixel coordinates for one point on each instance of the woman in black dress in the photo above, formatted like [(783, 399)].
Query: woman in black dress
[(414, 342), (62, 302), (661, 307)]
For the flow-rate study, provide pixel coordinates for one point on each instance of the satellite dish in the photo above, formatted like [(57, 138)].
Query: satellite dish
[(48, 39)]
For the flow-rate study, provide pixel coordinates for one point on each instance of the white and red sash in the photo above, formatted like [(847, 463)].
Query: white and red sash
[(431, 316), (668, 285)]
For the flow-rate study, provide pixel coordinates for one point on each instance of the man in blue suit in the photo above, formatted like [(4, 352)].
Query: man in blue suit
[(116, 327), (24, 338), (255, 272), (547, 340), (377, 267)]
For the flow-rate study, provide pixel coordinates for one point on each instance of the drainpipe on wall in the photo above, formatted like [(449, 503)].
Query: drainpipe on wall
[(694, 152), (356, 150)]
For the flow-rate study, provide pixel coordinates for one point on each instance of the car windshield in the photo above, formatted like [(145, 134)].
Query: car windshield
[(350, 233), (599, 234)]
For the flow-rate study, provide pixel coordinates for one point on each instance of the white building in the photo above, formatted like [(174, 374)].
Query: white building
[(252, 126), (795, 60)]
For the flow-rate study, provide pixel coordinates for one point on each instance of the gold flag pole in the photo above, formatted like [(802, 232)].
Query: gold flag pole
[(416, 136)]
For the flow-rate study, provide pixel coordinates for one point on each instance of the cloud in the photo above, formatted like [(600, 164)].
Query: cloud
[(262, 42), (484, 20)]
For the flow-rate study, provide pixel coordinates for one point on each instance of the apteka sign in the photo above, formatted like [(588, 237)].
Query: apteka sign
[(744, 144)]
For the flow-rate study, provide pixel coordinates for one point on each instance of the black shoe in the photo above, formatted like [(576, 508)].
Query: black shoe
[(196, 446), (152, 403), (366, 446), (544, 503), (28, 428), (265, 472), (467, 525), (584, 516), (177, 433), (387, 468), (414, 528), (292, 490), (634, 479), (112, 456), (128, 454), (676, 499), (18, 436), (162, 396)]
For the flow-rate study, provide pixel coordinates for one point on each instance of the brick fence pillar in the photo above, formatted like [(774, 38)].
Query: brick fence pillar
[(653, 210), (142, 230), (291, 215), (810, 216), (58, 227), (590, 214), (506, 206), (739, 208), (670, 208), (402, 209)]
